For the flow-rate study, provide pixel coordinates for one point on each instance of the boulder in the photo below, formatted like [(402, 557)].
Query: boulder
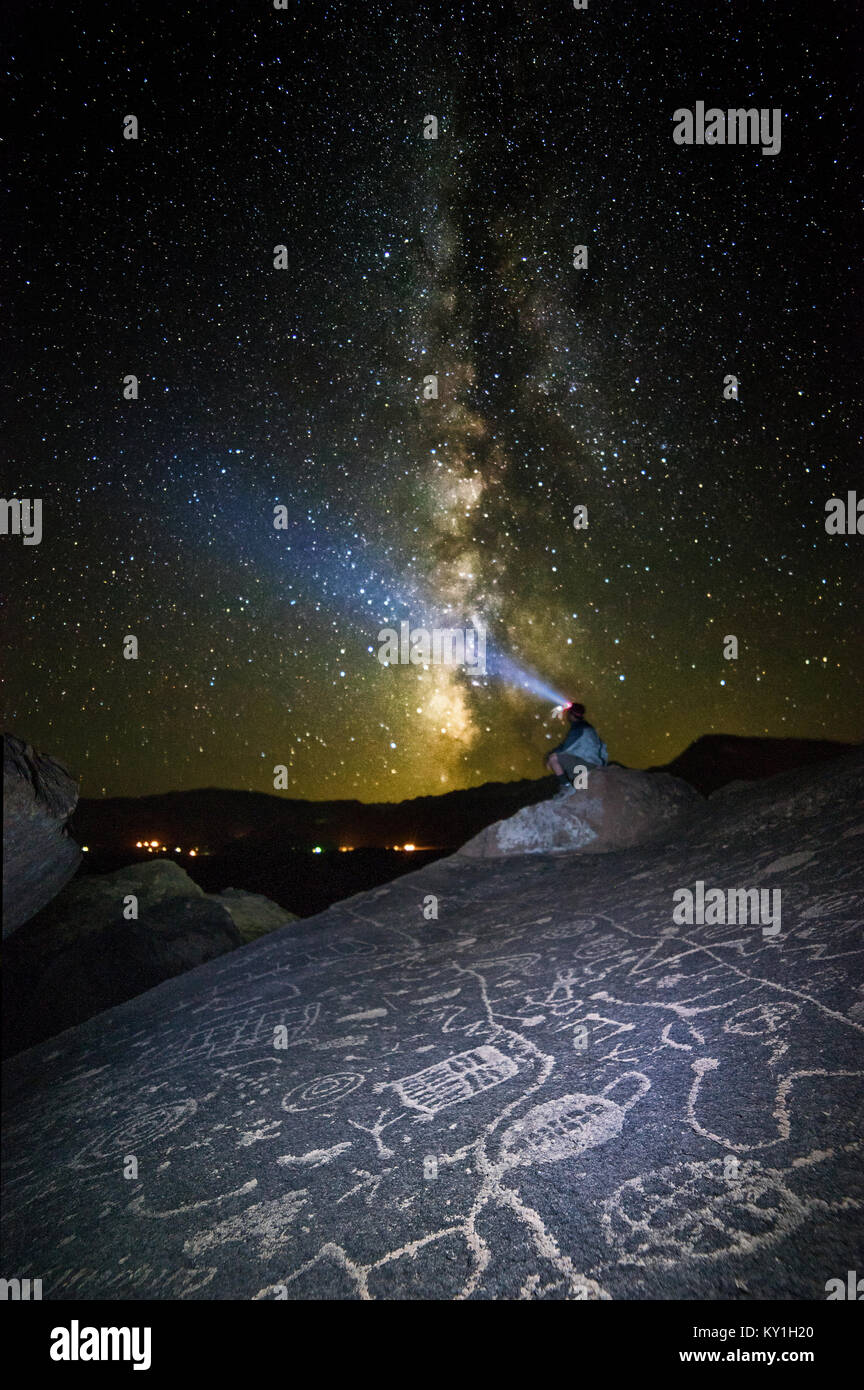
[(91, 903), (82, 955), (117, 961), (39, 857), (619, 807), (252, 914)]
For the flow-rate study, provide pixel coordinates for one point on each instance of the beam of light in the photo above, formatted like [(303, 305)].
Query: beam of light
[(521, 677), (364, 582), (350, 574)]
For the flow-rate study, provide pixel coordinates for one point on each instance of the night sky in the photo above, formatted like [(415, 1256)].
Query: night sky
[(558, 387)]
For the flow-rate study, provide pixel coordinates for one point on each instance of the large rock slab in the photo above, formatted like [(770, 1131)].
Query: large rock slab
[(618, 808), (543, 1090), (39, 857)]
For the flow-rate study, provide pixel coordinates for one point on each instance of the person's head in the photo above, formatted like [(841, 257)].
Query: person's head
[(575, 712)]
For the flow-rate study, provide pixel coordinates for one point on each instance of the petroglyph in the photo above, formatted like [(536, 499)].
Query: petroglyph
[(761, 1019), (141, 1131), (265, 1224), (139, 1204), (324, 1090), (566, 1127), (315, 1157), (376, 1130), (693, 1212), (268, 1130), (457, 1079), (336, 1044), (152, 1281), (781, 1113)]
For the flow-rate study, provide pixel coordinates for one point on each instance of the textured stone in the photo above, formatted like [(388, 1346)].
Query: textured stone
[(82, 955), (252, 914), (618, 808), (39, 857), (548, 1091)]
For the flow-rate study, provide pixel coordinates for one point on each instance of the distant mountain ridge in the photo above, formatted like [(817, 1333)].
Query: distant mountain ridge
[(714, 760), (212, 818)]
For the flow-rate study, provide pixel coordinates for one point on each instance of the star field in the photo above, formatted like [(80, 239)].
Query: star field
[(303, 387)]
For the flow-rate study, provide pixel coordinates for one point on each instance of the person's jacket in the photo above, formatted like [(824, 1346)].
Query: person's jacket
[(584, 744)]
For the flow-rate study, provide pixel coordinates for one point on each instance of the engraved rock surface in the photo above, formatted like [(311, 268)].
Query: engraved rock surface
[(550, 1090)]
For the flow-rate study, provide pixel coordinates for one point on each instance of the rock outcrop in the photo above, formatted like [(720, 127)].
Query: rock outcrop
[(83, 953), (716, 760), (39, 856), (252, 914), (619, 808)]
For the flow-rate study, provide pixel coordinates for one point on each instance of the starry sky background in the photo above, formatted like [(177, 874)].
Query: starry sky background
[(304, 387)]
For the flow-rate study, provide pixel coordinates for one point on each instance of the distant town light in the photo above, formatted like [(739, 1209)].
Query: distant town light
[(85, 849), (192, 853), (409, 848), (317, 850)]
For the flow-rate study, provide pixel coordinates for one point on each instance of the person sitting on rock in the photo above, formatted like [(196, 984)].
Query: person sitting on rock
[(582, 747)]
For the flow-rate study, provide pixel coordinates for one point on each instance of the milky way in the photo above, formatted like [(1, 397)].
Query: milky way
[(409, 258)]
